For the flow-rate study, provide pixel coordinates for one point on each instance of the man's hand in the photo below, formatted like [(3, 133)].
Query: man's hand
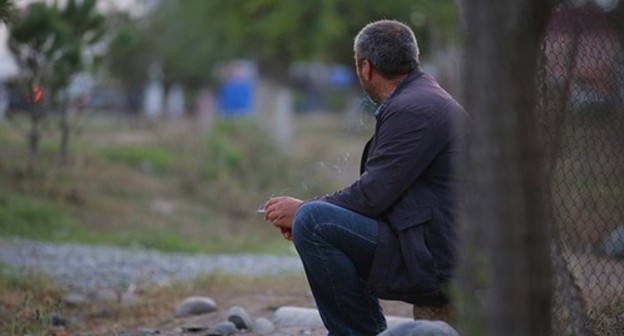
[(280, 211)]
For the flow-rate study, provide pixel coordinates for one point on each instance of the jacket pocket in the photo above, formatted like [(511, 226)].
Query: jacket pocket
[(403, 266), (414, 248)]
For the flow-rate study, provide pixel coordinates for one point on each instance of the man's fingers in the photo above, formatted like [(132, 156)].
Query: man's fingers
[(286, 233)]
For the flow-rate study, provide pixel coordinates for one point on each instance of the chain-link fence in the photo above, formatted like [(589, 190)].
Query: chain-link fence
[(581, 106)]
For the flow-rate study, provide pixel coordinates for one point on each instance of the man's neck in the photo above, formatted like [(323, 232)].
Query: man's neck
[(387, 86)]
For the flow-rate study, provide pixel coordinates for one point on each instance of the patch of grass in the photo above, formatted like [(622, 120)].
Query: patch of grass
[(37, 219), (149, 159), (45, 220)]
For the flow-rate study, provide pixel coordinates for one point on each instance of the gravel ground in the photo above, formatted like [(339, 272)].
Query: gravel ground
[(87, 269)]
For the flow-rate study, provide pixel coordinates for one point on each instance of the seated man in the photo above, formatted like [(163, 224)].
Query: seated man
[(391, 234)]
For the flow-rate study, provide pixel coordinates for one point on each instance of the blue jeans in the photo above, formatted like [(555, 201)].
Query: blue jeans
[(336, 247)]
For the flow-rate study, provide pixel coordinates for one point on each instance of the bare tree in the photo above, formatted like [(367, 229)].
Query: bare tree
[(506, 280)]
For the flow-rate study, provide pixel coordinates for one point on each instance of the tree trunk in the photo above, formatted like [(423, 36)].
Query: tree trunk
[(504, 211), (34, 138), (65, 134), (33, 146)]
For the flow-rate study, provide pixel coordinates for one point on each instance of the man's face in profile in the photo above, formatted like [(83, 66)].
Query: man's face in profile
[(365, 84)]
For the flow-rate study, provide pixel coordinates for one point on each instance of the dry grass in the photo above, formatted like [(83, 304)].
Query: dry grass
[(27, 302), (608, 321), (600, 281)]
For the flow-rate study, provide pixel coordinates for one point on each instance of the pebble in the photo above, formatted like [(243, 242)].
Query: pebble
[(105, 295), (75, 299), (195, 305), (223, 329), (56, 331), (263, 326), (140, 332), (240, 318), (193, 328)]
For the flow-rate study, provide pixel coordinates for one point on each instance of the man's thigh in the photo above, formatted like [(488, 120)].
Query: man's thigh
[(353, 234)]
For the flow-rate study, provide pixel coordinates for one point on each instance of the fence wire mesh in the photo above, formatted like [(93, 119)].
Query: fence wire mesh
[(581, 96)]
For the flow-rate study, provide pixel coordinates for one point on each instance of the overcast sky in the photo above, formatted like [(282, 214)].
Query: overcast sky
[(133, 6)]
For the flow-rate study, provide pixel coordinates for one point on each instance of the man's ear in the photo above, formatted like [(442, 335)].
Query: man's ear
[(366, 70)]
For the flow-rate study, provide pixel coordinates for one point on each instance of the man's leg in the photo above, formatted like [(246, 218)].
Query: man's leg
[(336, 247)]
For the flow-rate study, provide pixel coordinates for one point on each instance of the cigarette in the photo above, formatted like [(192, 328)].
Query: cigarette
[(260, 211)]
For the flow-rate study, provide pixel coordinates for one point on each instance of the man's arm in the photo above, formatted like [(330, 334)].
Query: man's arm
[(406, 145)]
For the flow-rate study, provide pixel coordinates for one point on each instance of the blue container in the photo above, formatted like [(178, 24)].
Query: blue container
[(235, 98)]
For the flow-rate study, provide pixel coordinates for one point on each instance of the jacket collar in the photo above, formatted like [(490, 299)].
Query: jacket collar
[(412, 76)]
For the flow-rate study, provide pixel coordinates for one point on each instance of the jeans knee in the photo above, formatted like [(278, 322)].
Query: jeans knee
[(304, 222)]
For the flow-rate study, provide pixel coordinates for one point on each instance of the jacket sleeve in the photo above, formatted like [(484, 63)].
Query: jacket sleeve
[(406, 143)]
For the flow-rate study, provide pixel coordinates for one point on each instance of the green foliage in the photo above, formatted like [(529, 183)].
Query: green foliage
[(50, 45), (7, 10), (37, 219), (129, 51), (33, 37), (48, 221), (49, 42), (147, 158), (189, 37), (82, 26)]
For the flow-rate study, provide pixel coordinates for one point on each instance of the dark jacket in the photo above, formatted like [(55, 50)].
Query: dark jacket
[(408, 181)]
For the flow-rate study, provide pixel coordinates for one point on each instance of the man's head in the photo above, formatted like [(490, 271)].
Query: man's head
[(385, 48), (390, 47)]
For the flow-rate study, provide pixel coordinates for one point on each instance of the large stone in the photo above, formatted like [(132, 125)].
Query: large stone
[(393, 321), (421, 328), (309, 318), (195, 305), (289, 316)]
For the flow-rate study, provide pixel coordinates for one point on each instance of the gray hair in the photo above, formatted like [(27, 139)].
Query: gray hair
[(389, 45)]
